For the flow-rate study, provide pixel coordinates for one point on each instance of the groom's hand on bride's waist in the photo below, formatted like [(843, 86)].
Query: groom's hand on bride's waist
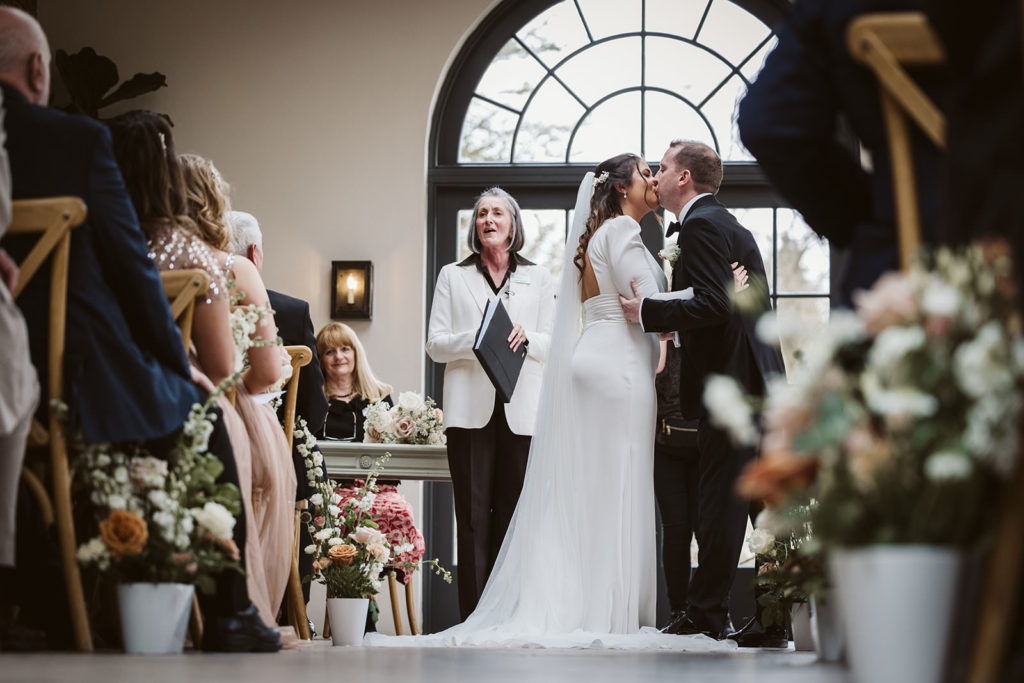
[(631, 307)]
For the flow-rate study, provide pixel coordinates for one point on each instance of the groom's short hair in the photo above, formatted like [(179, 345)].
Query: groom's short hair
[(704, 164)]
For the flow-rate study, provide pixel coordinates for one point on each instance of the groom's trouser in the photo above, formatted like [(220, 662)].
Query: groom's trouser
[(721, 525), (487, 467), (676, 476)]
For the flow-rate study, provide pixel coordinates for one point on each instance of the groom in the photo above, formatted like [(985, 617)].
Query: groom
[(719, 338)]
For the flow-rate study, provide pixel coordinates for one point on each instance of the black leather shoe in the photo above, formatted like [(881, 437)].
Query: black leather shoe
[(753, 634), (242, 632), (684, 625)]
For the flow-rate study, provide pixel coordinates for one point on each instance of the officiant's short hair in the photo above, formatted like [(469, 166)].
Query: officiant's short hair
[(517, 239), (703, 162)]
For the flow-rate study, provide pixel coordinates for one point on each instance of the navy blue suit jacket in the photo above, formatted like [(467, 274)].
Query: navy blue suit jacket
[(789, 120), (296, 329), (125, 368)]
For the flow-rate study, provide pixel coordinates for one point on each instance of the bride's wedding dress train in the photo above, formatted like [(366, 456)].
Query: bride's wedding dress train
[(577, 566)]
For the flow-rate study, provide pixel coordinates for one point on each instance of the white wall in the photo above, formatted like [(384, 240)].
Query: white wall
[(317, 113)]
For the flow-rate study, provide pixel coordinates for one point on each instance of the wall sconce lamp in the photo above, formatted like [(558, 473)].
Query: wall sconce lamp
[(351, 290)]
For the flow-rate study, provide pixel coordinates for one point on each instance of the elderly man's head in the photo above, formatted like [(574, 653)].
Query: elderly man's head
[(24, 55), (246, 238)]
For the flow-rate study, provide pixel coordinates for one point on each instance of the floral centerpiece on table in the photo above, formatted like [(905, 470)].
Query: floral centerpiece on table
[(160, 521), (349, 550), (412, 420), (907, 422)]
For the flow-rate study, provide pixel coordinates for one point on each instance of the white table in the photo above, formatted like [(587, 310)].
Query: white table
[(351, 460)]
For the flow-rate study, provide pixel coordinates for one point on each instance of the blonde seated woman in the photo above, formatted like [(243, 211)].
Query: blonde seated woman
[(270, 488), (350, 386)]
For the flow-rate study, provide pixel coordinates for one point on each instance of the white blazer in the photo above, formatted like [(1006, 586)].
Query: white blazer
[(461, 294)]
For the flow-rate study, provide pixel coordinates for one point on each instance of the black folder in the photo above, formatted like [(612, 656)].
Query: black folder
[(501, 363)]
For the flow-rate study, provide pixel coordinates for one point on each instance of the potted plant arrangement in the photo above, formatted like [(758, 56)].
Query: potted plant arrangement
[(165, 527), (902, 432), (349, 550)]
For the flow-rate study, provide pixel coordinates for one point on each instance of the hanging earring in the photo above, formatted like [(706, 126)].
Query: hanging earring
[(623, 195)]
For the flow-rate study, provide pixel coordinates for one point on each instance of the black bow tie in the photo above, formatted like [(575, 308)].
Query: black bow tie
[(673, 228)]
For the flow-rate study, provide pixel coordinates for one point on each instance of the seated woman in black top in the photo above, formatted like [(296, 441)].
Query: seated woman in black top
[(349, 383)]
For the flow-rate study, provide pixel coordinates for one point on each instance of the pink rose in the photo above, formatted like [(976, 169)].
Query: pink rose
[(405, 427), (890, 302)]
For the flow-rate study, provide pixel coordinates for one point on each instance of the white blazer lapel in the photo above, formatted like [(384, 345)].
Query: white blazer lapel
[(475, 284)]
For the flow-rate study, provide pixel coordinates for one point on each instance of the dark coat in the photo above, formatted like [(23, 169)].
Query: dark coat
[(296, 329), (125, 369)]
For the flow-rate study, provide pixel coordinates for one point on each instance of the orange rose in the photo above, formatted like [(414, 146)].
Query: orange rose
[(342, 555), (229, 545), (771, 477), (124, 533)]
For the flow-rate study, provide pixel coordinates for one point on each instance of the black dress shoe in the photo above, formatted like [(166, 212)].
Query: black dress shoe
[(753, 634), (242, 632), (684, 625)]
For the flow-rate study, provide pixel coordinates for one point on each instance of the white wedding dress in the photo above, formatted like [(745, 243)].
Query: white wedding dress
[(577, 566)]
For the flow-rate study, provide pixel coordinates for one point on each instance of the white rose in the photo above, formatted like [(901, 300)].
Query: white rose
[(316, 499), (411, 402), (116, 502), (940, 299), (121, 475), (309, 549), (947, 466), (761, 542), (335, 541), (334, 510), (216, 519)]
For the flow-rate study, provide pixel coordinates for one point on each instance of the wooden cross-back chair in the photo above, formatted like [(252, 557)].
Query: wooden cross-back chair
[(300, 357), (885, 43), (53, 219), (182, 289)]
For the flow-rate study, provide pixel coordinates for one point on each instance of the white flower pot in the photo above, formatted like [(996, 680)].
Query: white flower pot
[(348, 619), (800, 621), (154, 616), (825, 627), (896, 603)]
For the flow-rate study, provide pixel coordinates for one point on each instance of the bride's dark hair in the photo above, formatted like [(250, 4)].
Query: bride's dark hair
[(606, 202)]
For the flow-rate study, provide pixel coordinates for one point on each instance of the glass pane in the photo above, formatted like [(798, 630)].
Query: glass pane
[(603, 69), (683, 68), (555, 34), (544, 233), (759, 222), (486, 133), (812, 317), (731, 30), (511, 77), (547, 123), (610, 129), (668, 119), (721, 110), (754, 64), (803, 256), (672, 16), (606, 18)]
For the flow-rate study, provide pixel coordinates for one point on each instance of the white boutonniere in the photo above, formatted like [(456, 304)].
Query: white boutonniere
[(670, 254)]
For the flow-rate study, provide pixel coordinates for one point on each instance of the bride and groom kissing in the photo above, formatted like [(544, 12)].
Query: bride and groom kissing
[(577, 567)]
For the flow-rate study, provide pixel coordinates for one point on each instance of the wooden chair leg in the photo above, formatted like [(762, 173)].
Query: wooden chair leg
[(410, 608), (396, 611), (195, 624), (66, 538), (296, 604), (35, 485)]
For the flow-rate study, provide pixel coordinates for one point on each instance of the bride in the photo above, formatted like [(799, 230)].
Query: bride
[(577, 566)]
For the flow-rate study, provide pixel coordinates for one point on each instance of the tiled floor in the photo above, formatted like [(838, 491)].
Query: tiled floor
[(435, 665)]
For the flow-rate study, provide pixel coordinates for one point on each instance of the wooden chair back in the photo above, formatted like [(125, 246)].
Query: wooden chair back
[(53, 219), (886, 43), (182, 289), (300, 357)]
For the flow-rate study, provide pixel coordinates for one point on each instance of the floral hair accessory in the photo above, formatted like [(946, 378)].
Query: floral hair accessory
[(600, 179)]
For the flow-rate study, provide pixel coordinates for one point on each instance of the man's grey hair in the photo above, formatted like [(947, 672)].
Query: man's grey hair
[(245, 231)]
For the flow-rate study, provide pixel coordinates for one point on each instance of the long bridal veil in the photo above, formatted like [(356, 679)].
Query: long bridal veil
[(537, 592)]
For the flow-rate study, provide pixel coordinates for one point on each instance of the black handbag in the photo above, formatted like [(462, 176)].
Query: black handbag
[(675, 431)]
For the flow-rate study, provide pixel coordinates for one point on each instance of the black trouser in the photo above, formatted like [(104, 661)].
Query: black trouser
[(676, 474), (721, 525), (487, 467)]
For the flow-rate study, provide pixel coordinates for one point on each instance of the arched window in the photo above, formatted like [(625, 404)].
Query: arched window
[(545, 89)]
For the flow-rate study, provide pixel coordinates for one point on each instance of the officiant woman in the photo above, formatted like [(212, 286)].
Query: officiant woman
[(488, 440)]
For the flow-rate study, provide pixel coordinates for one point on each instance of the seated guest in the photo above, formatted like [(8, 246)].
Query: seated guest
[(144, 147), (349, 383), (127, 375), (19, 394), (296, 329), (273, 474)]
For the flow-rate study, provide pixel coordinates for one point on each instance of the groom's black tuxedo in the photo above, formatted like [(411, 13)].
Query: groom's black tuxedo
[(719, 338)]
